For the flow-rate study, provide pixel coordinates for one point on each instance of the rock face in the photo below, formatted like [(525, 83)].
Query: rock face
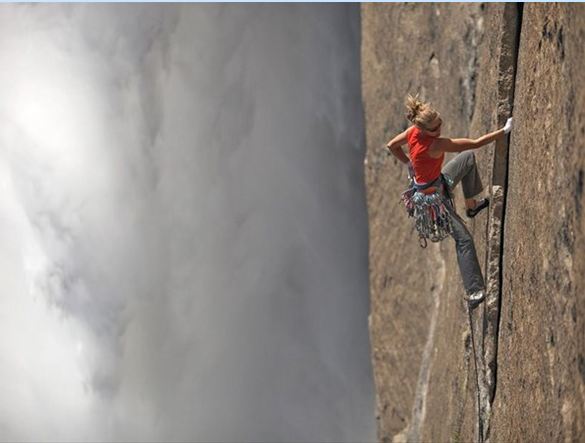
[(478, 63)]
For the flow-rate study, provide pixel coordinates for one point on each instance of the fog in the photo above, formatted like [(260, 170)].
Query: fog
[(183, 224)]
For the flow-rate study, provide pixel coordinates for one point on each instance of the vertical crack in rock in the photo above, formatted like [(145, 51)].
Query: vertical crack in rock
[(476, 322), (510, 43), (485, 321), (413, 433), (507, 76), (493, 274)]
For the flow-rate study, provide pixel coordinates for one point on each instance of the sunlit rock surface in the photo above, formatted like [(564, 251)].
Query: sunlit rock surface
[(462, 58)]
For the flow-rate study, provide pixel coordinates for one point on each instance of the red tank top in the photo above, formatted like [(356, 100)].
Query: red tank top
[(426, 168)]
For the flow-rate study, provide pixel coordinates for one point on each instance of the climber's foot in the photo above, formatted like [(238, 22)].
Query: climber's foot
[(481, 204)]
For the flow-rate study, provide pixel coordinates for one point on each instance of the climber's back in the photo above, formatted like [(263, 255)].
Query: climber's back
[(426, 168)]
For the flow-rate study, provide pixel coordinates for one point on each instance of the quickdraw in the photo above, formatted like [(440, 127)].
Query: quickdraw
[(431, 212)]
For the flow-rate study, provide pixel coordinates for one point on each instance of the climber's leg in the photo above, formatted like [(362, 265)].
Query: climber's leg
[(462, 168), (466, 256)]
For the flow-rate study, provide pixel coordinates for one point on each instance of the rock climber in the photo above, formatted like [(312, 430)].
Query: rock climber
[(432, 184)]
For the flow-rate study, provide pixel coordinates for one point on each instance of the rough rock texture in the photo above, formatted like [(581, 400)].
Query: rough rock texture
[(462, 57), (541, 375)]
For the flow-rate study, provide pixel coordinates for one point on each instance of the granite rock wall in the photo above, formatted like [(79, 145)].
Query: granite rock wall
[(478, 63)]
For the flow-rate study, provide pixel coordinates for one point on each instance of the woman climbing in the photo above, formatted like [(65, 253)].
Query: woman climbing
[(429, 198)]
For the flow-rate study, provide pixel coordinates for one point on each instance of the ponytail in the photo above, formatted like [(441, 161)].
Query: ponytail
[(413, 105), (418, 112)]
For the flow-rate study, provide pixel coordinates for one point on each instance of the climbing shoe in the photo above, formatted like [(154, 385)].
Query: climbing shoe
[(483, 203), (475, 299)]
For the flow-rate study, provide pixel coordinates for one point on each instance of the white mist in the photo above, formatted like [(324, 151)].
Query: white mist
[(183, 224)]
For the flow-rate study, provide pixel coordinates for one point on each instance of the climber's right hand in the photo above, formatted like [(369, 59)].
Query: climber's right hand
[(508, 126)]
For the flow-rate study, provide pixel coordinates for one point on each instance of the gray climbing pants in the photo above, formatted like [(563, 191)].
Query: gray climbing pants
[(462, 168)]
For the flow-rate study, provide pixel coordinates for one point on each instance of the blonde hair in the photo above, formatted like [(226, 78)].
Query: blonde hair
[(420, 113)]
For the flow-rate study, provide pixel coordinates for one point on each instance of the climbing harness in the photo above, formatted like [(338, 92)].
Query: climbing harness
[(431, 212)]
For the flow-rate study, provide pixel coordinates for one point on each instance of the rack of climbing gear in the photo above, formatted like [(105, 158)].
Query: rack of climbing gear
[(430, 211)]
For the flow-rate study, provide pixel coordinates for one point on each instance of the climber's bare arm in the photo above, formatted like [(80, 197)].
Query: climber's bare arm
[(464, 144), (395, 147)]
